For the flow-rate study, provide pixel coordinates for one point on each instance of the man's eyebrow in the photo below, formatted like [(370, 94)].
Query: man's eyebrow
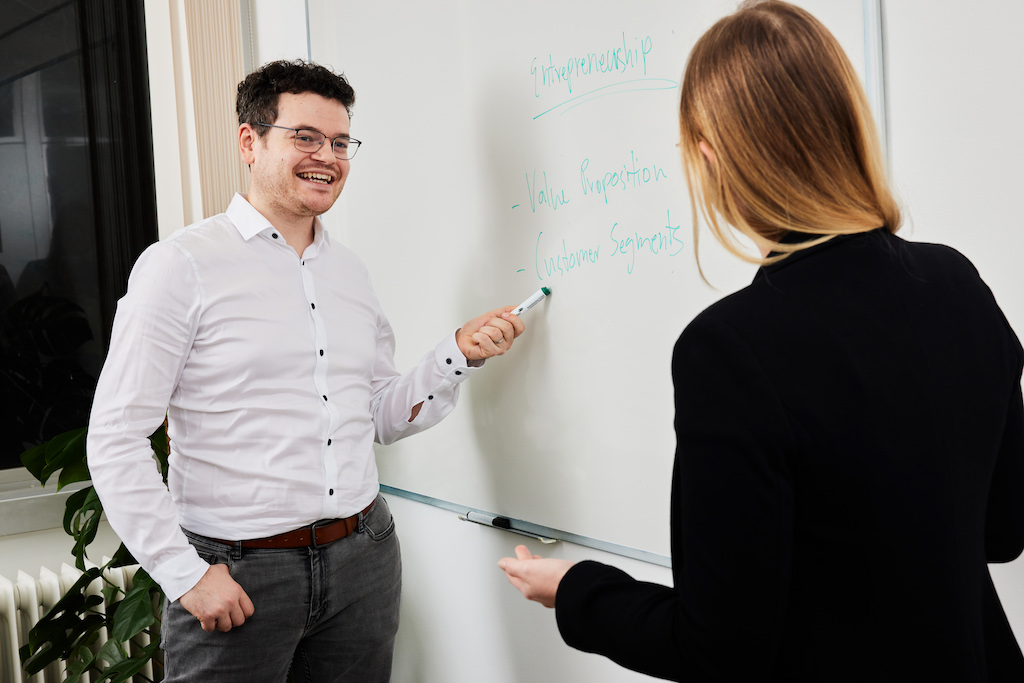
[(317, 130)]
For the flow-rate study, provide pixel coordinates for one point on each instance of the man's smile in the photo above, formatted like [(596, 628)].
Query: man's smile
[(319, 177)]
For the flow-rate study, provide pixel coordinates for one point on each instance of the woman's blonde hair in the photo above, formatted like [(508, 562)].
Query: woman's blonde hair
[(795, 149)]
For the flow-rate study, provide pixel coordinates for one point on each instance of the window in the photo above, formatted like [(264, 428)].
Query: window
[(77, 203)]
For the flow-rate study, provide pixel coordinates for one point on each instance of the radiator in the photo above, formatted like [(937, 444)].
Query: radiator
[(24, 600)]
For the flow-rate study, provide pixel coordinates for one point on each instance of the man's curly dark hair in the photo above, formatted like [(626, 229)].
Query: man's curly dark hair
[(258, 93)]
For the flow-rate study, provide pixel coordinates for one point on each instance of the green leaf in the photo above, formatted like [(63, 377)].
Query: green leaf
[(111, 593), (129, 666), (158, 439), (112, 652), (34, 460), (142, 578), (69, 623), (72, 506), (73, 472), (122, 558), (64, 450), (85, 522), (135, 612), (79, 662), (34, 662)]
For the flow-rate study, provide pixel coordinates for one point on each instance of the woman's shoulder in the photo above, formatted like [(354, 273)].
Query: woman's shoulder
[(842, 278)]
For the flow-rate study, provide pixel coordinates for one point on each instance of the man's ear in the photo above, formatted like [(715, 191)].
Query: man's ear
[(247, 139)]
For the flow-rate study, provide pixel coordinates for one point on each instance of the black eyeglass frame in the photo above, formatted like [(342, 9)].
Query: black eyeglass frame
[(323, 138)]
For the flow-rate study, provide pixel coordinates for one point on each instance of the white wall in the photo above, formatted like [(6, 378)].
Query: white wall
[(279, 30), (956, 72)]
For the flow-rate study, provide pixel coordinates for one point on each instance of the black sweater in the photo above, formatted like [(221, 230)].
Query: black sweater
[(850, 456)]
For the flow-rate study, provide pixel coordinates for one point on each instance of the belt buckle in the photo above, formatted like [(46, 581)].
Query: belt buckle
[(312, 533)]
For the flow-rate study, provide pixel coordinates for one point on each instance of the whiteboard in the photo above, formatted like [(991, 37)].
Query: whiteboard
[(509, 146)]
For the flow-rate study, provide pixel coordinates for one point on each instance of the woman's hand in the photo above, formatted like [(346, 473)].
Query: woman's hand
[(533, 576)]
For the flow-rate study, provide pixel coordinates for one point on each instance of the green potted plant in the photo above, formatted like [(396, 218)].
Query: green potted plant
[(71, 629)]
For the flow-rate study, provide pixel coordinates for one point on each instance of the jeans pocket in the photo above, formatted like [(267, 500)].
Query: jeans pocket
[(379, 524), (209, 551)]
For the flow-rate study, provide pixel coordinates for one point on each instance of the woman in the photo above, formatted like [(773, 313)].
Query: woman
[(850, 433)]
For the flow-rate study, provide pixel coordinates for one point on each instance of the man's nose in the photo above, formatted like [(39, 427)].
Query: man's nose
[(325, 154)]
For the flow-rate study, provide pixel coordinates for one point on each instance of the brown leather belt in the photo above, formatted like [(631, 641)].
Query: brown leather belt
[(315, 535)]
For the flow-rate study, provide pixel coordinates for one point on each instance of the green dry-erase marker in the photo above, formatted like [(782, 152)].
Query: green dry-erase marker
[(532, 301)]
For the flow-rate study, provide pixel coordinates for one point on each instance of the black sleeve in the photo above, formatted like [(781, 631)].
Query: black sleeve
[(1004, 521), (732, 530)]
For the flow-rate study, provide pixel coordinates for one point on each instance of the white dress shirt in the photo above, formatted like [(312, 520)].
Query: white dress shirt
[(276, 374)]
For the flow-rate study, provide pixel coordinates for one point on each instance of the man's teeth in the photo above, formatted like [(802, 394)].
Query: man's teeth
[(317, 177)]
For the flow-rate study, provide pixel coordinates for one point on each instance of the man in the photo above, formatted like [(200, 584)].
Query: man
[(265, 345)]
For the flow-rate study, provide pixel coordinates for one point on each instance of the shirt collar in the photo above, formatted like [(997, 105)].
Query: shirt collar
[(318, 231), (249, 222)]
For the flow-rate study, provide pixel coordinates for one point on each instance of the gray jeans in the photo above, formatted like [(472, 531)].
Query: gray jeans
[(330, 614)]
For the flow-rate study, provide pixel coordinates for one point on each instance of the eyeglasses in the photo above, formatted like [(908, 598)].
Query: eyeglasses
[(310, 141)]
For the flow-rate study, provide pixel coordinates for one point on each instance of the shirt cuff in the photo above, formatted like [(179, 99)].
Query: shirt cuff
[(453, 365), (180, 574)]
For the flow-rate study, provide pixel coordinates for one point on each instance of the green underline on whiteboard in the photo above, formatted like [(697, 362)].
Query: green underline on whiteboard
[(537, 530), (635, 85)]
